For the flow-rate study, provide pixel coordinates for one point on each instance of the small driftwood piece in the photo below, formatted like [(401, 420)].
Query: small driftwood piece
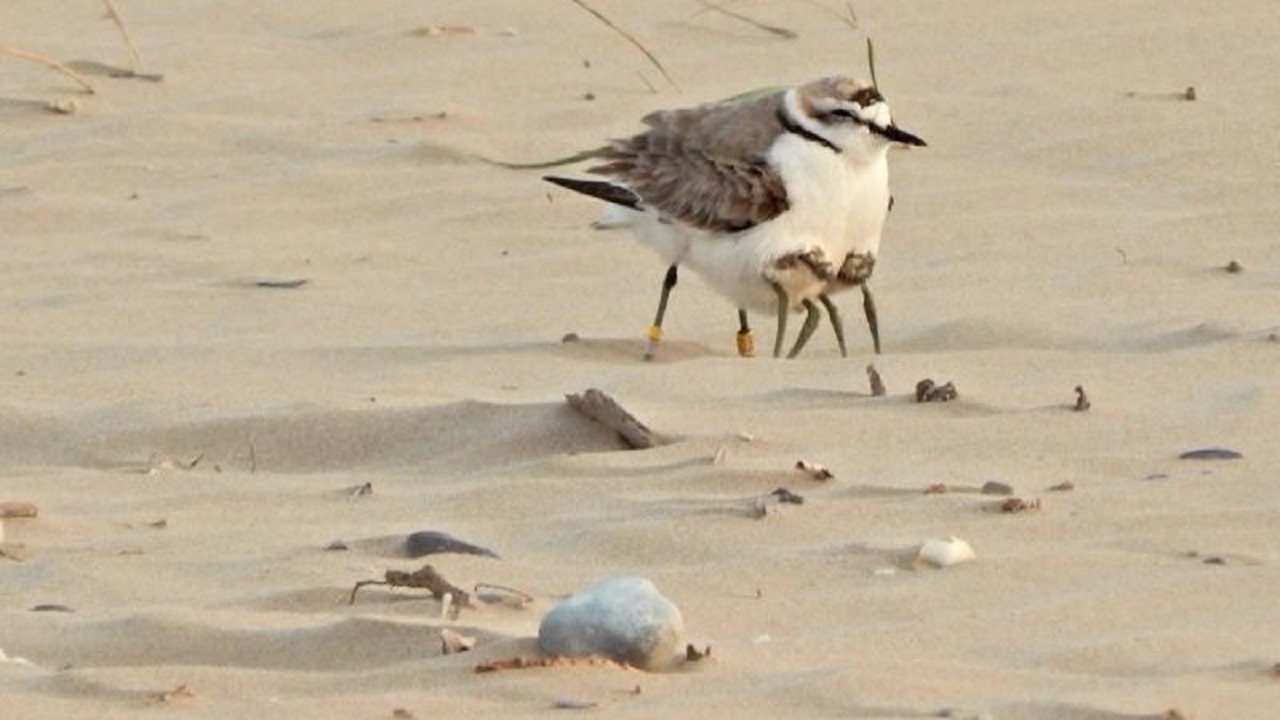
[(425, 578), (598, 406)]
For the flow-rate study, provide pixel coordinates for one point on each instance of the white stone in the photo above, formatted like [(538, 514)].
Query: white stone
[(625, 619)]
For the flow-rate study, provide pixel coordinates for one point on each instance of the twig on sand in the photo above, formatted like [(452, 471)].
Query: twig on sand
[(598, 406), (49, 63), (525, 663), (425, 578), (630, 38)]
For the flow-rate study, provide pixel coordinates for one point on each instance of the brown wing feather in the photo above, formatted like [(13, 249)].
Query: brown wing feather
[(705, 166)]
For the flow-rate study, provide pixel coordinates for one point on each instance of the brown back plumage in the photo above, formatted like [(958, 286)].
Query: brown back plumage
[(705, 166)]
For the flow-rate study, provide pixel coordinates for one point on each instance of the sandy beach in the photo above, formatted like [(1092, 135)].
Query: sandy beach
[(238, 293)]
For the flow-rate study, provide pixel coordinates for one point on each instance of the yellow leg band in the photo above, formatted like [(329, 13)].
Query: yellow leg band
[(746, 344), (654, 333)]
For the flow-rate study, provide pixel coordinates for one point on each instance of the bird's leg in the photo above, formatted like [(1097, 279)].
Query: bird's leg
[(746, 341), (783, 307), (655, 330), (869, 308), (810, 324), (836, 323)]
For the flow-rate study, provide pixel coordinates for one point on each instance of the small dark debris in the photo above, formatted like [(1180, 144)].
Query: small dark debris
[(1215, 560), (51, 607), (1234, 267), (991, 487), (361, 490), (1214, 453), (693, 654), (1017, 505), (281, 284), (1082, 400), (337, 546), (570, 338), (877, 383), (1066, 486), (431, 542), (1157, 476), (786, 496), (929, 391)]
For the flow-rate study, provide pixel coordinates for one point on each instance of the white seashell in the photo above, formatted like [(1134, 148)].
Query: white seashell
[(945, 553)]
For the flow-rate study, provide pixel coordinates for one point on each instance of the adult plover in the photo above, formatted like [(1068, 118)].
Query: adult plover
[(768, 198)]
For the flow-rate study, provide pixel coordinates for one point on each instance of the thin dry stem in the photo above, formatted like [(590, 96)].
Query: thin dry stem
[(771, 29), (135, 60), (631, 39), (49, 63)]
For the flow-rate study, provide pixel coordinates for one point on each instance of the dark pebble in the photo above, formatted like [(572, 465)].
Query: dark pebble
[(431, 542), (996, 488)]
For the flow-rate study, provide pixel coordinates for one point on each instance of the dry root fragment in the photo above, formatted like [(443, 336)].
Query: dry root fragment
[(361, 490), (525, 663), (425, 578), (1082, 400), (929, 391), (877, 384), (814, 470), (1066, 486), (936, 489), (1017, 505), (574, 704)]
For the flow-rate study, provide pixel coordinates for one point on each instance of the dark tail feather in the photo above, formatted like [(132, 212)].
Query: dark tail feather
[(598, 189)]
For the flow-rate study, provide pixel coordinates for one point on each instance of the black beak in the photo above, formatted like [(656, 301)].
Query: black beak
[(896, 134)]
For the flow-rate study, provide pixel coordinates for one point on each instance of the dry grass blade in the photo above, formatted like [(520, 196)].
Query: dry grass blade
[(135, 60), (871, 63), (545, 164), (771, 29), (49, 63), (631, 39)]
